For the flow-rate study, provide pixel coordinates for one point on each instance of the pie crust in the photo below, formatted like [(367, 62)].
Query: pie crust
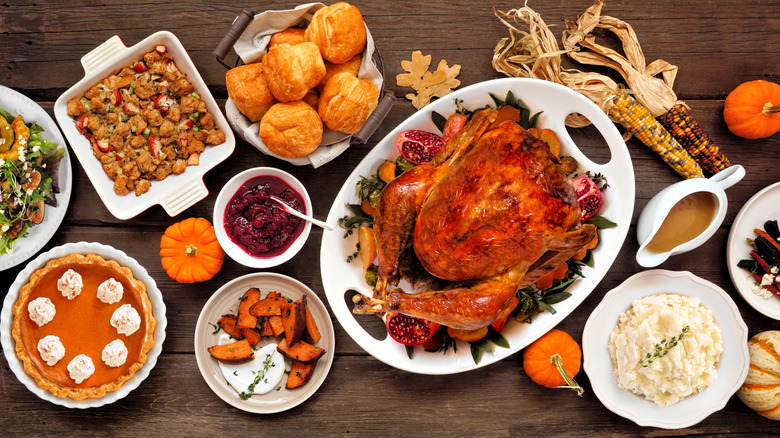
[(83, 326)]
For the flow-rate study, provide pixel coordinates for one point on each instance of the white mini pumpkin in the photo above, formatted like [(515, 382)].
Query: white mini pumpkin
[(761, 390)]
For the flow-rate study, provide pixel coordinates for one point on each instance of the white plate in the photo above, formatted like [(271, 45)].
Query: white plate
[(732, 369), (225, 301), (175, 193), (38, 235), (108, 253), (763, 206), (557, 102)]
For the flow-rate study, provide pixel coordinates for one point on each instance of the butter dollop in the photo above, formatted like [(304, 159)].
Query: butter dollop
[(51, 349), (126, 320), (115, 353), (70, 284), (41, 310), (81, 368), (110, 291)]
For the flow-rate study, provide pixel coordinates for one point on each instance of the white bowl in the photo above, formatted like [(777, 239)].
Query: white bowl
[(734, 361), (231, 248), (175, 193)]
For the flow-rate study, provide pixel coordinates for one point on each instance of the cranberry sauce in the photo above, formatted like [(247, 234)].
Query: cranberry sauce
[(256, 223)]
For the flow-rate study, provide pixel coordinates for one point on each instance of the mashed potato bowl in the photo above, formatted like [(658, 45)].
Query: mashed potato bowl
[(731, 372)]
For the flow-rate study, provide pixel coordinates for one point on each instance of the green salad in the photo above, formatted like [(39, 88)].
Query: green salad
[(28, 177)]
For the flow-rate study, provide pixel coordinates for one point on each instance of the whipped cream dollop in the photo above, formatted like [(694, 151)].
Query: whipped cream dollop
[(41, 310), (51, 349), (115, 353), (126, 320), (110, 291), (81, 368), (70, 284)]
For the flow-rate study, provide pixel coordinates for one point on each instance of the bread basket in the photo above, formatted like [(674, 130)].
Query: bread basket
[(249, 35)]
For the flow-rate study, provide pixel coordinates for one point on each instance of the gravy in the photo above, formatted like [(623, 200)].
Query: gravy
[(687, 219)]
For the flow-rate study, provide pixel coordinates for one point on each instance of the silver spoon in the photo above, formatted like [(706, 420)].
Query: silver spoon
[(297, 213)]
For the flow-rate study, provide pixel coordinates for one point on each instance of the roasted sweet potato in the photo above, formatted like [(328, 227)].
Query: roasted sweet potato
[(252, 335), (312, 333), (233, 352), (506, 112), (276, 325), (467, 335), (273, 294), (294, 321), (300, 373), (301, 351), (266, 329), (246, 319), (228, 324), (268, 307)]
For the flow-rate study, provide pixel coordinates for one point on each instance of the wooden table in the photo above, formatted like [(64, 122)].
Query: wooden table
[(717, 46)]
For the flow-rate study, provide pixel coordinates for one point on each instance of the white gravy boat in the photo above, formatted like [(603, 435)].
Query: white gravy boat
[(657, 210)]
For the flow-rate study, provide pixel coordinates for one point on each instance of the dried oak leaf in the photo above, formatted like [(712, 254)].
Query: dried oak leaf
[(416, 68), (450, 83), (427, 84)]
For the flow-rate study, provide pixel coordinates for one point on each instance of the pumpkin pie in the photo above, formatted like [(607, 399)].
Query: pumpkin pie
[(83, 326)]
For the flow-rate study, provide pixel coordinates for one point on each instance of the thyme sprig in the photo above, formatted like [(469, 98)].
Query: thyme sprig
[(662, 348), (260, 375)]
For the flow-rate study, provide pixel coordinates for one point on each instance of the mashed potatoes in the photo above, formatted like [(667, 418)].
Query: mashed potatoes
[(687, 368)]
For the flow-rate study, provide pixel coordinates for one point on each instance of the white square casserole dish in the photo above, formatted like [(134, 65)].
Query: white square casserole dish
[(176, 192)]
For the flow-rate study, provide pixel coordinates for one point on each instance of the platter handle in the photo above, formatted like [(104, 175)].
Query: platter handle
[(184, 197), (104, 54), (617, 146)]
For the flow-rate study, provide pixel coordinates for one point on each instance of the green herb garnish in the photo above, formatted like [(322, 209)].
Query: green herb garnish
[(662, 348), (259, 376)]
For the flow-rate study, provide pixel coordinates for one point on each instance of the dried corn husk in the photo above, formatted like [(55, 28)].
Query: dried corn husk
[(655, 93), (534, 53)]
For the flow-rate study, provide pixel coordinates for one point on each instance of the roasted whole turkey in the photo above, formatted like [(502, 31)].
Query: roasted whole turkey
[(491, 213)]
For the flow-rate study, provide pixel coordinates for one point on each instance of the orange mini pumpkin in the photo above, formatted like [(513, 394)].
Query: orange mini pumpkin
[(553, 360), (189, 251), (752, 110)]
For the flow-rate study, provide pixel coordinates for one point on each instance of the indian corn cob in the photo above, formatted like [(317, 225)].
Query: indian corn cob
[(638, 120), (686, 130)]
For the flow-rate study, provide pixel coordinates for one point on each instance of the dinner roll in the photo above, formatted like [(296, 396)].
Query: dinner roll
[(338, 31), (291, 129), (291, 35), (346, 102), (292, 70), (351, 66), (248, 89)]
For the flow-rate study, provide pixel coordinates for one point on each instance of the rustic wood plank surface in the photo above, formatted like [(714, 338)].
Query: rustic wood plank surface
[(717, 45)]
